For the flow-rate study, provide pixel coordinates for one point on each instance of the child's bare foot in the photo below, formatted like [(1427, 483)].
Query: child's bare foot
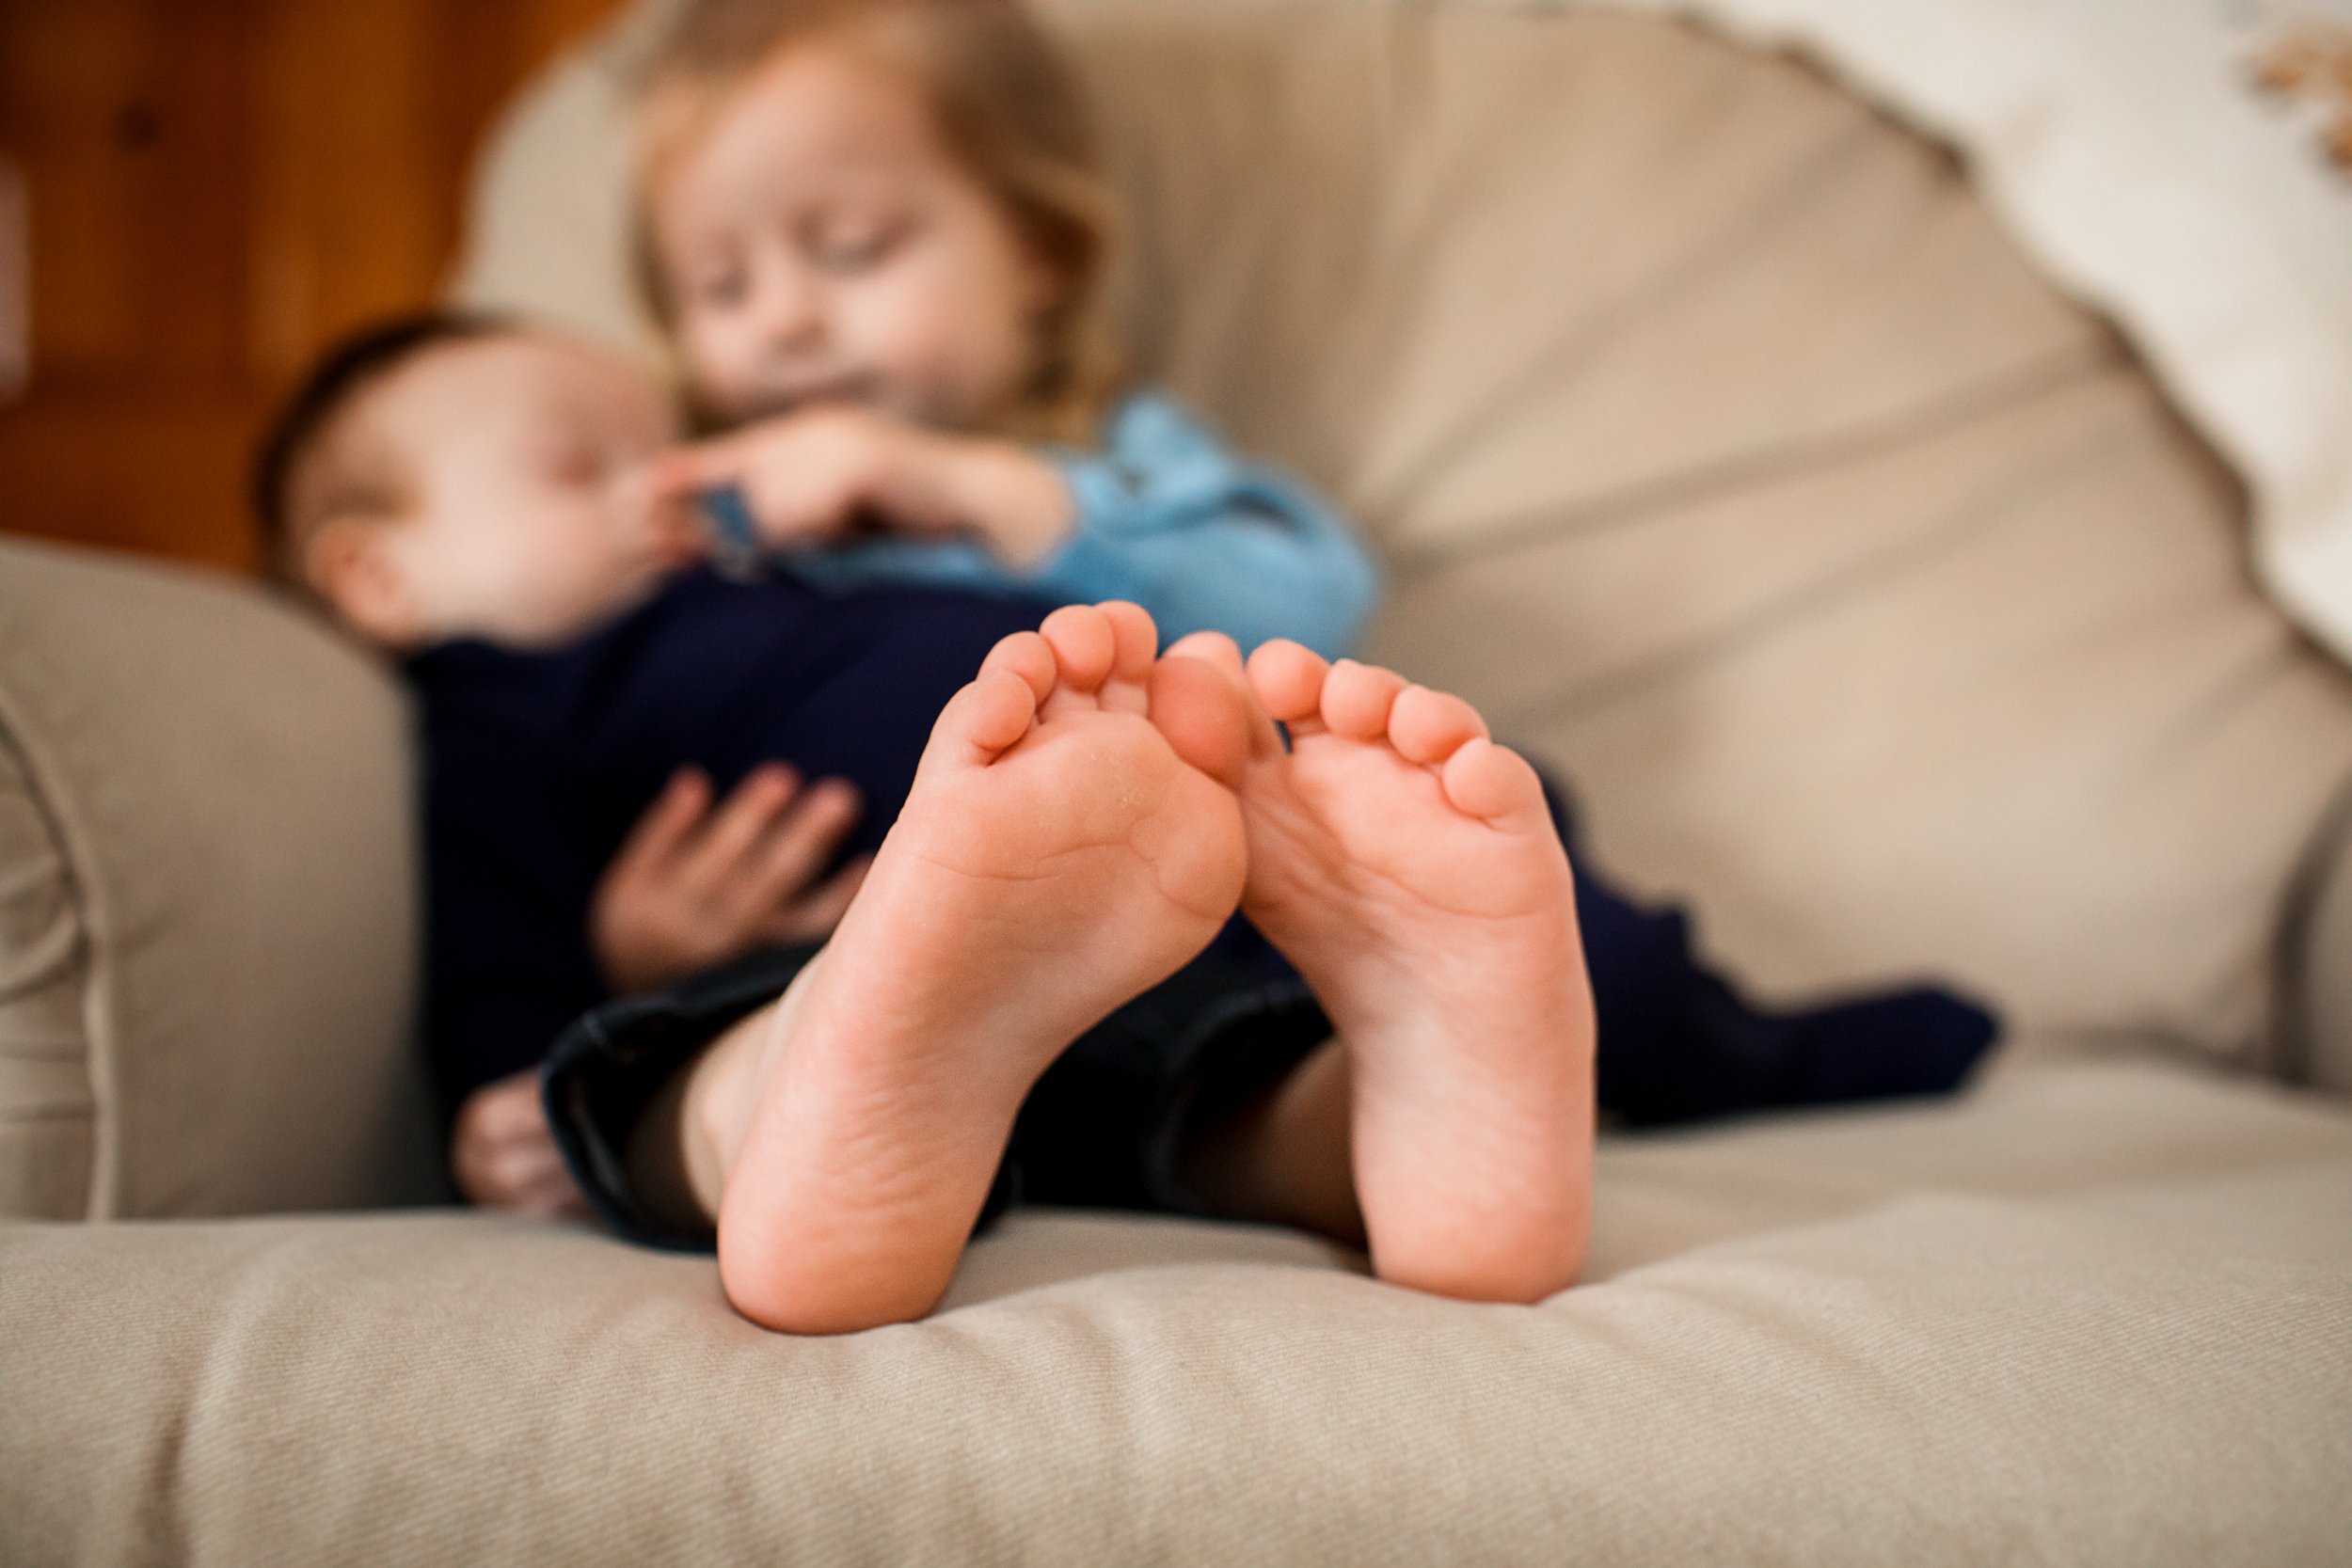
[(1408, 866), (1064, 847)]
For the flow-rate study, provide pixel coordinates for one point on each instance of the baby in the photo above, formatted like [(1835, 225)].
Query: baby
[(876, 235), (471, 495)]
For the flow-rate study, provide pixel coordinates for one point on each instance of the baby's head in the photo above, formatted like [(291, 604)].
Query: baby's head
[(458, 476), (893, 202)]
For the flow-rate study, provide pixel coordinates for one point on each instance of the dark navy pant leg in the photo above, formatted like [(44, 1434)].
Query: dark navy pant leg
[(1678, 1042)]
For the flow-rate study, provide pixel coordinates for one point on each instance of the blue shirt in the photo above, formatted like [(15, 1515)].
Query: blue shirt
[(1166, 518)]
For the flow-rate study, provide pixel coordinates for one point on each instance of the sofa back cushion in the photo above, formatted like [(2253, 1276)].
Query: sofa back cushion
[(1726, 450), (208, 908), (1721, 445)]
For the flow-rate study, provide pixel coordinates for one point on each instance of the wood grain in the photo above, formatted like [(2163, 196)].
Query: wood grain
[(219, 189)]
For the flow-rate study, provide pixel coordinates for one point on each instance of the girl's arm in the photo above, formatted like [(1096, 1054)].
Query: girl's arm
[(1168, 518), (1164, 516)]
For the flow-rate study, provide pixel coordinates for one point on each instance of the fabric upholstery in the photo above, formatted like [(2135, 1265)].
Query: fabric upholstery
[(207, 902), (2090, 1315), (47, 1114), (2316, 979), (1721, 445), (1724, 448), (2135, 149)]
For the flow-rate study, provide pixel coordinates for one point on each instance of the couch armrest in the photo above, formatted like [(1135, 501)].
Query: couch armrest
[(208, 902)]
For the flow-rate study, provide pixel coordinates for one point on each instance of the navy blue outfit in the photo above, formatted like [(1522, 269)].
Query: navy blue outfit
[(539, 763)]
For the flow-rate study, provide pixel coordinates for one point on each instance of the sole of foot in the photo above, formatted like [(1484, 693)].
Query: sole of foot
[(1072, 838), (1409, 868)]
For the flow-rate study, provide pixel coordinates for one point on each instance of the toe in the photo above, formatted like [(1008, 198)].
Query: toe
[(1085, 645), (1028, 656), (1493, 783), (1205, 716), (1135, 642), (1357, 699), (1211, 647), (1428, 726), (981, 720), (1288, 680), (1221, 653)]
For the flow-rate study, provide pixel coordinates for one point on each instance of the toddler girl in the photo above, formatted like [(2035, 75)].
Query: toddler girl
[(875, 236)]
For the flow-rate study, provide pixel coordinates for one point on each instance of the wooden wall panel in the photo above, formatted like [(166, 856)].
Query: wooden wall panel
[(219, 188)]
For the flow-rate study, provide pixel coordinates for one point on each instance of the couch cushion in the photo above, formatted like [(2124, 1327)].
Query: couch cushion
[(1724, 448), (2091, 1315), (207, 902), (48, 1120)]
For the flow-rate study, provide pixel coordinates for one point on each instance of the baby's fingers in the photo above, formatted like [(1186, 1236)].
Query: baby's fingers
[(503, 1112), (799, 847), (807, 919), (667, 824), (723, 852)]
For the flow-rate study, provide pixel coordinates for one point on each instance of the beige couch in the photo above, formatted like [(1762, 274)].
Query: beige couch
[(1721, 445)]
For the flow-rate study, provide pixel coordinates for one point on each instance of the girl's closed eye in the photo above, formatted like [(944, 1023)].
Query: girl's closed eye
[(720, 286), (846, 246)]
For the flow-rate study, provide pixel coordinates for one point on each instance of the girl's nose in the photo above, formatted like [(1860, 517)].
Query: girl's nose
[(791, 313)]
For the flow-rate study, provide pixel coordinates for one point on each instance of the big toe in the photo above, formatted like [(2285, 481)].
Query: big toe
[(1209, 648), (1204, 715), (1223, 654)]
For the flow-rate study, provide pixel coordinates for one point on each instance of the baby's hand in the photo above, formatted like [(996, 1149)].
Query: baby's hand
[(504, 1156), (699, 883)]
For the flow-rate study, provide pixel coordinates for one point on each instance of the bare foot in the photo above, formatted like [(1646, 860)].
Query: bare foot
[(1408, 867), (1067, 842)]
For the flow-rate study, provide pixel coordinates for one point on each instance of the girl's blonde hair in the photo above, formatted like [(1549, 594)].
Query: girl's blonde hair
[(1007, 108)]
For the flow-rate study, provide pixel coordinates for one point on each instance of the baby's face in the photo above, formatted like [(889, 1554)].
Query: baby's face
[(818, 241), (531, 520)]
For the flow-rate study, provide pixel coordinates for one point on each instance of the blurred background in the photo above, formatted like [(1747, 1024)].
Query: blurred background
[(195, 196)]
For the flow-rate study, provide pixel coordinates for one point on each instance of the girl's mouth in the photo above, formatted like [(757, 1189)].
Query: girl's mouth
[(851, 389)]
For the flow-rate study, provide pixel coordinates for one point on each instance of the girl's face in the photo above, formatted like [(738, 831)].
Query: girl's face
[(819, 242)]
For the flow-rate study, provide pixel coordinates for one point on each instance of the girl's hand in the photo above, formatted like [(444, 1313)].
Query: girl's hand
[(820, 474), (503, 1157), (699, 883)]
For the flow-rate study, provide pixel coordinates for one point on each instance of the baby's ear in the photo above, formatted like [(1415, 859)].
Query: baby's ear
[(351, 563)]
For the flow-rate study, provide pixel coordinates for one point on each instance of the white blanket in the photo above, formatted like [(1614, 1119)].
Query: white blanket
[(2126, 146)]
